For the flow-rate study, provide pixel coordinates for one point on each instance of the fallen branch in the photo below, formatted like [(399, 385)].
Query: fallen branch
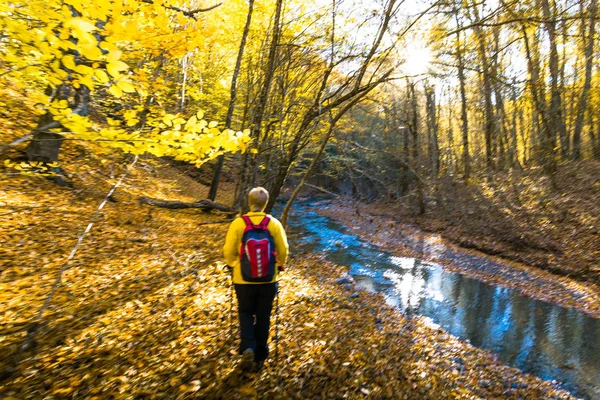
[(175, 205), (16, 142), (215, 222), (321, 189), (38, 319)]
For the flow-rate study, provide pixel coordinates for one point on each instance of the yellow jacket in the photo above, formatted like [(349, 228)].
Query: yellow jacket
[(233, 243)]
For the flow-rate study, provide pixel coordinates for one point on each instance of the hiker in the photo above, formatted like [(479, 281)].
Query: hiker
[(256, 248)]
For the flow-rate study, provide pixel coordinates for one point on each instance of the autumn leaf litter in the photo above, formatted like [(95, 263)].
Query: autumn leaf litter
[(143, 311)]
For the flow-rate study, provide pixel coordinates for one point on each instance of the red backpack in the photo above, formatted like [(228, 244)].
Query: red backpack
[(257, 254)]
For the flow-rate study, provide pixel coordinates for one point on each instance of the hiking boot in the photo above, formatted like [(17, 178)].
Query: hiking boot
[(259, 365), (247, 359)]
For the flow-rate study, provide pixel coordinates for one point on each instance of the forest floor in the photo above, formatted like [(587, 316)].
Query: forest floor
[(518, 216), (143, 308)]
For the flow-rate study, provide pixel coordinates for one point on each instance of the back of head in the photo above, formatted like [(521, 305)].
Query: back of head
[(258, 198)]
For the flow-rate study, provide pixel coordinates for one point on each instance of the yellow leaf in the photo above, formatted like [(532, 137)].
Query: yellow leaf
[(200, 114), (115, 91), (213, 124), (167, 119), (114, 56), (87, 81), (101, 76), (191, 123), (127, 87), (254, 151), (69, 62), (116, 67), (80, 25), (91, 52), (84, 70), (108, 46)]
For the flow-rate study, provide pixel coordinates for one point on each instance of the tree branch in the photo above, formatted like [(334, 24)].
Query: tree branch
[(191, 13)]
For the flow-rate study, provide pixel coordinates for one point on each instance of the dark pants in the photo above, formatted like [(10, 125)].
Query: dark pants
[(255, 303)]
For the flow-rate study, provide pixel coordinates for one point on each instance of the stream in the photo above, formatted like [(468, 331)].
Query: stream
[(546, 340)]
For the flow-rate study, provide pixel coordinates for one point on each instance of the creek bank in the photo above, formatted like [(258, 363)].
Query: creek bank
[(399, 238), (519, 215)]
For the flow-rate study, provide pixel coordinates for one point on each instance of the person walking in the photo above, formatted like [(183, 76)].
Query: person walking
[(256, 248)]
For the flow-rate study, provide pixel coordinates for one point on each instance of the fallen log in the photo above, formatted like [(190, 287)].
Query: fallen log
[(205, 205), (321, 189)]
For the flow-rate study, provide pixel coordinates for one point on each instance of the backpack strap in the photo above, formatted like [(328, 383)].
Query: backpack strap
[(249, 225), (265, 222)]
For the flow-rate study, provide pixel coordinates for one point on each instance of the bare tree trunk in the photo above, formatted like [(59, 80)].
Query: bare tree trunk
[(595, 141), (413, 127), (513, 147), (589, 63), (316, 158), (555, 114), (184, 69), (45, 145), (490, 125), (463, 110), (176, 204), (451, 154), (432, 130), (504, 154), (214, 185), (547, 141), (249, 173)]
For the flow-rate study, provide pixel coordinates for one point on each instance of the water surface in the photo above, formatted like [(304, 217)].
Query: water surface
[(540, 338)]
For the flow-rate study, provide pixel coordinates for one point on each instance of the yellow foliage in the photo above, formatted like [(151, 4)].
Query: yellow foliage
[(110, 47)]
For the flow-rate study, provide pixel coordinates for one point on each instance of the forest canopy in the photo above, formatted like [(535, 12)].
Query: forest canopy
[(385, 93)]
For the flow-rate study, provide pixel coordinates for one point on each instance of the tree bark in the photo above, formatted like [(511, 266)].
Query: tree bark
[(490, 125), (317, 157), (589, 63), (176, 205), (45, 145), (463, 110), (249, 171), (432, 130), (214, 185), (555, 114)]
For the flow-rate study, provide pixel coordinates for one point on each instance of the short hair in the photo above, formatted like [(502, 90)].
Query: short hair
[(258, 198)]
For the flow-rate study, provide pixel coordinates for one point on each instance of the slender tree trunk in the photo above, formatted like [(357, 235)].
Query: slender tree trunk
[(546, 138), (184, 69), (490, 124), (589, 63), (595, 141), (513, 146), (432, 130), (214, 185), (451, 154), (315, 160), (249, 173), (555, 114), (466, 158), (504, 154), (413, 127)]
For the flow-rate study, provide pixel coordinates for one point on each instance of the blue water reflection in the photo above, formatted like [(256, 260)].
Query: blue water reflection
[(546, 340)]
